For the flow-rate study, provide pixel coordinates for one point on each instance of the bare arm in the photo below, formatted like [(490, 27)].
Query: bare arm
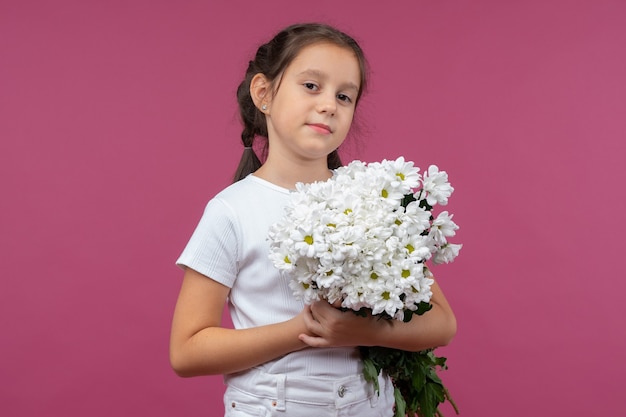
[(333, 327), (200, 346)]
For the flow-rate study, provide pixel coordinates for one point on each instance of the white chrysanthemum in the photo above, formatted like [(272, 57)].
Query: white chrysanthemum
[(447, 253), (354, 295), (436, 186), (387, 299), (307, 240), (418, 247), (328, 277), (282, 259), (405, 175), (304, 289), (418, 216), (442, 228)]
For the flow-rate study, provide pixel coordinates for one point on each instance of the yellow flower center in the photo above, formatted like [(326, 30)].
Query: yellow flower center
[(308, 239), (406, 273), (386, 295), (384, 193)]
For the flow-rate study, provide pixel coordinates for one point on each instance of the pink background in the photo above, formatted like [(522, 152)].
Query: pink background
[(118, 123)]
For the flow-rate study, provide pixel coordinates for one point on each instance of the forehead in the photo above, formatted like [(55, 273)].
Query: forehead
[(329, 60)]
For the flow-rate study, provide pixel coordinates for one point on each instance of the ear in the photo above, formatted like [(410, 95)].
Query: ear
[(260, 91)]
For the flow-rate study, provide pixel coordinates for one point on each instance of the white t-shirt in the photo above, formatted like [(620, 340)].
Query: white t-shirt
[(230, 246)]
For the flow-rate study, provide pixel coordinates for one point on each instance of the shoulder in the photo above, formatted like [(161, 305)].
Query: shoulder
[(248, 190), (250, 202)]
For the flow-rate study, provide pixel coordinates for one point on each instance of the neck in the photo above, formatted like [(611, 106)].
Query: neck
[(287, 173)]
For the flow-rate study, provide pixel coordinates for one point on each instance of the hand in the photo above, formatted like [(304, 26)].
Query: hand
[(327, 326)]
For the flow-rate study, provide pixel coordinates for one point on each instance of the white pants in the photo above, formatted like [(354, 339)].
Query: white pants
[(255, 393)]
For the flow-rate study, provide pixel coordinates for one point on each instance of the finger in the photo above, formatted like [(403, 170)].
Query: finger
[(308, 313), (336, 304), (313, 341), (311, 323), (321, 310), (326, 314)]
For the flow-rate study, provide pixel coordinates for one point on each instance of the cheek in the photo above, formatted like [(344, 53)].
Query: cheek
[(348, 119)]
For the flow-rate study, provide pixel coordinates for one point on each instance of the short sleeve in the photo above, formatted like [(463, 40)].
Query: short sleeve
[(213, 249)]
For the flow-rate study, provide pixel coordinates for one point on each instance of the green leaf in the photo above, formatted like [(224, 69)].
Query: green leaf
[(408, 315), (408, 198), (437, 361), (400, 403), (370, 372), (423, 307), (424, 204)]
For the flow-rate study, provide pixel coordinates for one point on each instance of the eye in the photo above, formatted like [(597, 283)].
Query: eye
[(345, 98), (311, 86)]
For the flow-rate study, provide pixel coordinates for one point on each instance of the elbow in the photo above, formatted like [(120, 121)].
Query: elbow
[(449, 332), (180, 365), (182, 372), (186, 365)]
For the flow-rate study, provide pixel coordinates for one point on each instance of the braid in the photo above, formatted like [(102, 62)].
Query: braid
[(253, 126)]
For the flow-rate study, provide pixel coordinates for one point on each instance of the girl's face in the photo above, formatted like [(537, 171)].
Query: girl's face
[(311, 111)]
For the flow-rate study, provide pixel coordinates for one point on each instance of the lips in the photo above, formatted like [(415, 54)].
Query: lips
[(320, 128)]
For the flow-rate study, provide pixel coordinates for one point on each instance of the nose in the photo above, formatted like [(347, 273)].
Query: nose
[(327, 104)]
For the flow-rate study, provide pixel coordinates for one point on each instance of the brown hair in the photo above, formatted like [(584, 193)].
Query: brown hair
[(271, 60)]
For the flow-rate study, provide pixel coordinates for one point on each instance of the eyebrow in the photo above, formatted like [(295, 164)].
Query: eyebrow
[(320, 74)]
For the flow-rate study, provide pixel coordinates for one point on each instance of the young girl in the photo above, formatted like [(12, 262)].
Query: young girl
[(284, 358)]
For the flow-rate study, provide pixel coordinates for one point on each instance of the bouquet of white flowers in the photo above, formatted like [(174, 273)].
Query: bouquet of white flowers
[(362, 239)]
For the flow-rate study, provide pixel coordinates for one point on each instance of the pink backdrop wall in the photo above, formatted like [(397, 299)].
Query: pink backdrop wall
[(118, 123)]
